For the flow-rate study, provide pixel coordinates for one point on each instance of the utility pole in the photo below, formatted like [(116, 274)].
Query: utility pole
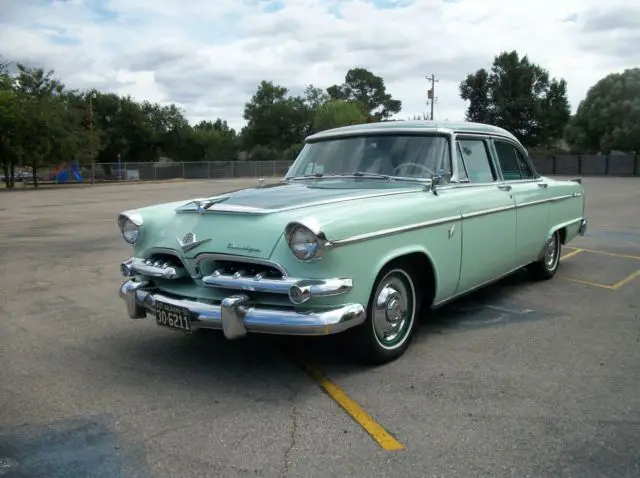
[(431, 93)]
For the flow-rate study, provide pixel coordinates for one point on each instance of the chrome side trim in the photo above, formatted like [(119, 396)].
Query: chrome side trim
[(147, 267), (561, 198), (419, 188), (233, 258), (236, 315), (532, 203), (479, 286), (486, 212), (476, 287), (435, 222), (391, 231)]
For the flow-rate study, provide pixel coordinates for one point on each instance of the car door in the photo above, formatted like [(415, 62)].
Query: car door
[(488, 215), (531, 197)]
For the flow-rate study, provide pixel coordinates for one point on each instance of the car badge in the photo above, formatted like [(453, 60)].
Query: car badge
[(190, 242), (199, 207)]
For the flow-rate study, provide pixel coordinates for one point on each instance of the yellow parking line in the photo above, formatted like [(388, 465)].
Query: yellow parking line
[(569, 254), (594, 284), (612, 254), (361, 417), (626, 280)]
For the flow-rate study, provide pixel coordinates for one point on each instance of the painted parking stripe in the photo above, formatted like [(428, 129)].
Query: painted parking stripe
[(386, 441), (570, 254), (605, 253)]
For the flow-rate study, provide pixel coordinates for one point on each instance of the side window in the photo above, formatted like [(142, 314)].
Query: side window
[(462, 170), (476, 158), (445, 158), (525, 169), (512, 162), (508, 160)]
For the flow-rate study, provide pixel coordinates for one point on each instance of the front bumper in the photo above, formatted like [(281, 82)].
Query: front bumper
[(236, 315)]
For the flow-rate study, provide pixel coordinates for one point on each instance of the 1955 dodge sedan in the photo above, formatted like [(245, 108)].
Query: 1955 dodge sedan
[(371, 224)]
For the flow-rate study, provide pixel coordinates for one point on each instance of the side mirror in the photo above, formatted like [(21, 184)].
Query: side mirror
[(442, 177)]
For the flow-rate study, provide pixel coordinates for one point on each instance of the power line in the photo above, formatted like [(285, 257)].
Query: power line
[(431, 93)]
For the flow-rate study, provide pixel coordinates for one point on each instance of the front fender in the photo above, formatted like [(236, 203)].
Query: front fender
[(363, 260)]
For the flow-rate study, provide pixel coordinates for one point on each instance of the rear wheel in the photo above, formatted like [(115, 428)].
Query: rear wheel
[(547, 266), (392, 315)]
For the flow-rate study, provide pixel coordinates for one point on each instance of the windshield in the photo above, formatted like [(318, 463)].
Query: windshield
[(406, 156)]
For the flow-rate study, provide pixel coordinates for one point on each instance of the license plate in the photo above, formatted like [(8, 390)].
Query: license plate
[(172, 316)]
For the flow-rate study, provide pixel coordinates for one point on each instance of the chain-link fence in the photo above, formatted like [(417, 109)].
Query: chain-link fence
[(585, 165), (101, 172), (582, 165)]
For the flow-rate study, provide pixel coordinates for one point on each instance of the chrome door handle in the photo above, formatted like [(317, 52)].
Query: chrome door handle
[(543, 185), (504, 187)]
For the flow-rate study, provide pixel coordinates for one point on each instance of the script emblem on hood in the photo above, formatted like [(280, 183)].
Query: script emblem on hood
[(190, 242), (242, 248)]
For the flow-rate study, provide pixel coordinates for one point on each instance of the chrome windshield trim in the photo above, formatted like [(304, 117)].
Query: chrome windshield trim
[(339, 133), (364, 176)]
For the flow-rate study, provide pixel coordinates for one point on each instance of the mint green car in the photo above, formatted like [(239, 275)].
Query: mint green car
[(371, 225)]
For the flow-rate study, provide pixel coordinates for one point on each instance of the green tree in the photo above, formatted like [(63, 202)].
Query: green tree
[(337, 113), (519, 96), (275, 121), (362, 86), (45, 117), (609, 117)]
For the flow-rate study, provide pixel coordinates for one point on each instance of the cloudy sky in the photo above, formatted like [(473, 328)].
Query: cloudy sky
[(209, 56)]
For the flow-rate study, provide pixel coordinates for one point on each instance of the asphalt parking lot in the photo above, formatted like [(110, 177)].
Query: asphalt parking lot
[(520, 379)]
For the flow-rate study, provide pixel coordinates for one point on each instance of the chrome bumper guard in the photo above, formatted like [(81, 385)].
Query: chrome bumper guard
[(236, 315), (149, 268), (583, 227), (298, 290)]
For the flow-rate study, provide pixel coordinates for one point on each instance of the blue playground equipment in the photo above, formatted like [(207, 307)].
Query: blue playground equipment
[(61, 174)]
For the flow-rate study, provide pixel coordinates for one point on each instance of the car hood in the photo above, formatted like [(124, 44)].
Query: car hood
[(250, 222)]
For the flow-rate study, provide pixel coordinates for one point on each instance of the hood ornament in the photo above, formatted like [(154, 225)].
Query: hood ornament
[(190, 242)]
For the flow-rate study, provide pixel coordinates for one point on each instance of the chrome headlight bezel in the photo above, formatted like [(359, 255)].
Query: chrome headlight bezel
[(129, 223), (306, 240)]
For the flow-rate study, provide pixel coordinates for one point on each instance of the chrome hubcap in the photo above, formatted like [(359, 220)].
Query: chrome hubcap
[(392, 310), (552, 252)]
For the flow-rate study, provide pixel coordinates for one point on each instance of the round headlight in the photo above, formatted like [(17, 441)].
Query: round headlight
[(304, 244), (129, 226), (130, 231)]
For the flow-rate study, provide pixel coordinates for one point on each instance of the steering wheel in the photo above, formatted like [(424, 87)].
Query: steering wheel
[(428, 171)]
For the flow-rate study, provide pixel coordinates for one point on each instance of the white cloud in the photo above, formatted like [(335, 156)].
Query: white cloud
[(210, 56)]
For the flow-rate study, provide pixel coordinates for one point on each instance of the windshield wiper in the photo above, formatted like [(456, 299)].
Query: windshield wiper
[(360, 174), (307, 176)]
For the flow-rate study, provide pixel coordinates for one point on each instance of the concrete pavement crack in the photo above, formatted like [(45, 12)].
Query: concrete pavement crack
[(292, 439)]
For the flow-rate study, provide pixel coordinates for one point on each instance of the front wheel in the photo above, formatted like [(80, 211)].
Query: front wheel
[(392, 315), (547, 267)]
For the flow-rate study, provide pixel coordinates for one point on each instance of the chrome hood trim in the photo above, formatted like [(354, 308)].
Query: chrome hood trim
[(216, 204)]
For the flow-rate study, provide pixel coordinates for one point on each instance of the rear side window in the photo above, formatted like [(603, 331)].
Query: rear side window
[(475, 155), (512, 162)]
